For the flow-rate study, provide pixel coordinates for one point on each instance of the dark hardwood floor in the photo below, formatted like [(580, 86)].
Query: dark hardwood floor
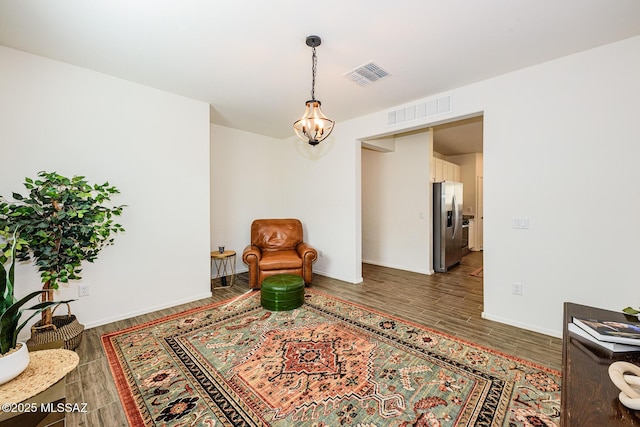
[(448, 302)]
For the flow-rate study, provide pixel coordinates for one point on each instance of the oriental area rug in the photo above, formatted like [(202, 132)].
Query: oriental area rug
[(327, 363)]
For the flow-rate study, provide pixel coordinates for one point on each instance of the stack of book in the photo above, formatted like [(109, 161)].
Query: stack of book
[(615, 336)]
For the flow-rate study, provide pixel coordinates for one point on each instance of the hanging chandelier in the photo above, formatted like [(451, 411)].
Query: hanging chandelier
[(314, 126)]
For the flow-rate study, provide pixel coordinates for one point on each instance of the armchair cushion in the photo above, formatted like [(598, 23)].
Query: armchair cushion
[(279, 260)]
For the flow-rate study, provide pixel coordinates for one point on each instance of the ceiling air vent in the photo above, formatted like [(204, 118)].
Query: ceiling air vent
[(422, 110), (367, 73)]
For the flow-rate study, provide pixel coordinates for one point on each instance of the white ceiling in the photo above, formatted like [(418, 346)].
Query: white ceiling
[(459, 137), (248, 59)]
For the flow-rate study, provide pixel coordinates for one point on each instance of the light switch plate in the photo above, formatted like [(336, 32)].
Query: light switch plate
[(516, 288), (521, 223)]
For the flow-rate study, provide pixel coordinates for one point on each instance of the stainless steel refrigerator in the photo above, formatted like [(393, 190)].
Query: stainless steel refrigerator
[(447, 225)]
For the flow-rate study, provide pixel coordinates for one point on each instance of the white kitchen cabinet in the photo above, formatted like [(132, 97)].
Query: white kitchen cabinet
[(443, 170), (448, 171), (472, 235), (438, 167), (456, 173)]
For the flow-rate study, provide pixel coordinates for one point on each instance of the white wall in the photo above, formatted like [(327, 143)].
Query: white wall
[(247, 182), (561, 148), (396, 208), (152, 145), (253, 176)]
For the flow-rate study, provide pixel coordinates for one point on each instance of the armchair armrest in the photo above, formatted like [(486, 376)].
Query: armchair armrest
[(251, 254), (307, 252)]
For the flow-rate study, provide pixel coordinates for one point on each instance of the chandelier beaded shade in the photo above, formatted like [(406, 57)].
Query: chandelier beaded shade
[(314, 126)]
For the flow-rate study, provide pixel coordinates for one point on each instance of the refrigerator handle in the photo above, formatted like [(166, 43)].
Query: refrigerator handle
[(455, 216)]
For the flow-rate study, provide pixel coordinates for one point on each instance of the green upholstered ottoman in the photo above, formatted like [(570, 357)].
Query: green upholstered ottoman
[(282, 292)]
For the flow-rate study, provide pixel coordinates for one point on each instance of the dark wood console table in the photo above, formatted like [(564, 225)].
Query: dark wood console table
[(589, 398)]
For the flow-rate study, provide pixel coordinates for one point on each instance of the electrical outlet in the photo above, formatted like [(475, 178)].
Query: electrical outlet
[(83, 290), (516, 288)]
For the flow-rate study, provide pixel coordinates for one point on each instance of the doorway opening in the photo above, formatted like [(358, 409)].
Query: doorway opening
[(461, 143), (397, 176)]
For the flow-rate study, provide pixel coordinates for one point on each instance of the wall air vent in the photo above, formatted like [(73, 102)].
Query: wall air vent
[(367, 73), (421, 110)]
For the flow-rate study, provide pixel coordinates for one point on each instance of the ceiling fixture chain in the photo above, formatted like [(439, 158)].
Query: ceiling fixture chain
[(314, 69)]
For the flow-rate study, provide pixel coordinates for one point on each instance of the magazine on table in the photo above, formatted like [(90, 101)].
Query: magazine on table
[(611, 331), (612, 346)]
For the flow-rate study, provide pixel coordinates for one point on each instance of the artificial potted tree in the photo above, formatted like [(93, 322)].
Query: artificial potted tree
[(63, 222), (14, 355)]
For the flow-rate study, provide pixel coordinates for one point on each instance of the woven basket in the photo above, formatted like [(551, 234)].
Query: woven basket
[(64, 328)]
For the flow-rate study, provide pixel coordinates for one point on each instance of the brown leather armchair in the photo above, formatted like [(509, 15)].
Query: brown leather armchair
[(277, 248)]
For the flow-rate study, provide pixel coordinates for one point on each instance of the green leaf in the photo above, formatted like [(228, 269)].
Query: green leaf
[(631, 311)]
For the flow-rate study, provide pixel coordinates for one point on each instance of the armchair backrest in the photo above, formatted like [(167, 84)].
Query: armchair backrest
[(276, 234)]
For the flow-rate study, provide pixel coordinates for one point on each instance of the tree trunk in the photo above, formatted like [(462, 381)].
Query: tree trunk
[(47, 316)]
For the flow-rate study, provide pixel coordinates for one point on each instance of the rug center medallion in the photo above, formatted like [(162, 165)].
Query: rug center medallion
[(311, 358), (299, 370)]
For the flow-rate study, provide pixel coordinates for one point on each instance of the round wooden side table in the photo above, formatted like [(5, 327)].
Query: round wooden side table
[(36, 393), (225, 265)]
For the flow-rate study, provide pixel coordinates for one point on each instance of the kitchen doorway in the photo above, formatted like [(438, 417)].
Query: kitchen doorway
[(459, 142)]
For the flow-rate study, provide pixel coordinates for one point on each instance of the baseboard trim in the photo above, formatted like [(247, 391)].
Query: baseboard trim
[(337, 277), (147, 310), (397, 267), (549, 332)]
